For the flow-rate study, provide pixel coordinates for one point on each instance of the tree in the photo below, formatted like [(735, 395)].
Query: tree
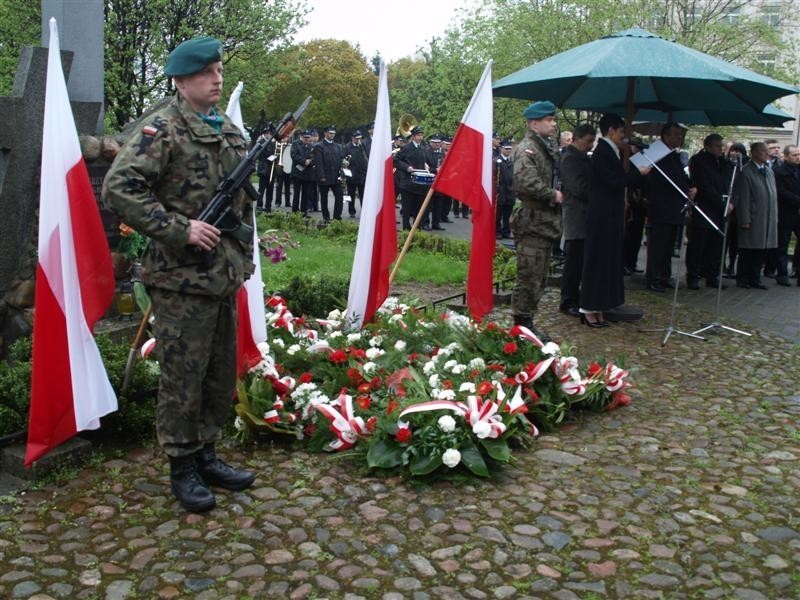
[(335, 73), (20, 25), (140, 34)]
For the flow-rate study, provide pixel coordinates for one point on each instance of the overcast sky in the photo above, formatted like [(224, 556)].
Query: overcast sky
[(395, 29)]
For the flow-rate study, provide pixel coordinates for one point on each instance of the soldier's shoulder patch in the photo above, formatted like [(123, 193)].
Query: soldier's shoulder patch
[(149, 130), (530, 151)]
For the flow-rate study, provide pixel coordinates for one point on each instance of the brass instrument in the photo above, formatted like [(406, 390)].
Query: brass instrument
[(344, 173), (407, 123), (279, 154)]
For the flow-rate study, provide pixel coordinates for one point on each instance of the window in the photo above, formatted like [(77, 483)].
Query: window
[(767, 60), (730, 15), (771, 15)]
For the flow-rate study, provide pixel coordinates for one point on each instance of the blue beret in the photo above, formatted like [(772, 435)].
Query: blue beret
[(193, 55), (539, 110)]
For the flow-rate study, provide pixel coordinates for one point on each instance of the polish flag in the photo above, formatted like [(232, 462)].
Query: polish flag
[(250, 298), (70, 389), (466, 175), (376, 247)]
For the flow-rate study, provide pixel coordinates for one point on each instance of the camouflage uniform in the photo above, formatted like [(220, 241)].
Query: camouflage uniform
[(163, 176), (534, 224)]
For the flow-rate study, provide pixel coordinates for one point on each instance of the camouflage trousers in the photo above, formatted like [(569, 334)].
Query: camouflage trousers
[(196, 351), (533, 265)]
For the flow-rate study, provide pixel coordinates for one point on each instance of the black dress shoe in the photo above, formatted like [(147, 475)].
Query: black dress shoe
[(638, 270), (759, 286), (627, 271), (712, 283), (655, 287), (593, 324), (572, 311), (425, 228), (446, 220), (784, 281), (693, 284), (437, 228), (668, 285), (743, 284)]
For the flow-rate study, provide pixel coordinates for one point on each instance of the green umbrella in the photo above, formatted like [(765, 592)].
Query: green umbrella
[(635, 68), (771, 116)]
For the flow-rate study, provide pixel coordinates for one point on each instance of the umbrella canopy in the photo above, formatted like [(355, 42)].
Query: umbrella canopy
[(771, 116), (638, 68)]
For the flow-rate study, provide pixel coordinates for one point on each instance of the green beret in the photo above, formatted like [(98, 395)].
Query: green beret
[(540, 109), (193, 55)]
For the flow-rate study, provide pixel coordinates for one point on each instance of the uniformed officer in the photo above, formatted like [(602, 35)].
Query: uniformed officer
[(328, 164), (358, 161), (504, 178), (534, 224), (411, 157), (439, 202), (158, 184), (305, 187)]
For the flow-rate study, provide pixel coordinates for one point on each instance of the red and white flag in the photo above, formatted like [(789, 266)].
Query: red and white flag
[(250, 300), (70, 390), (466, 175), (376, 247)]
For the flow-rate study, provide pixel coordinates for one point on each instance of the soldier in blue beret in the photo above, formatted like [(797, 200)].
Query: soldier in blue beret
[(160, 181)]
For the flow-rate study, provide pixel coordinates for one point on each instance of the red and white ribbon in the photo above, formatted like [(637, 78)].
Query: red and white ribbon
[(320, 346), (483, 417), (272, 416), (456, 407), (615, 377), (345, 425), (148, 347), (525, 333), (566, 369)]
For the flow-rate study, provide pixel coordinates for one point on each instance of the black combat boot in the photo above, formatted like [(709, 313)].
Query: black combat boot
[(524, 321), (216, 472), (187, 485)]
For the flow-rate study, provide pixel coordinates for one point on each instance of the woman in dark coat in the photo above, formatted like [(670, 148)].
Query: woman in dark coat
[(602, 286)]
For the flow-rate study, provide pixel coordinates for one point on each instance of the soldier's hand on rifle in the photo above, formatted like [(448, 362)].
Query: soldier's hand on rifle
[(203, 235), (559, 197)]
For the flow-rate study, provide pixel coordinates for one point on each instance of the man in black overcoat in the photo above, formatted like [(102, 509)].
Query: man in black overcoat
[(787, 181), (303, 177), (358, 160), (328, 164), (504, 189), (711, 174), (411, 157)]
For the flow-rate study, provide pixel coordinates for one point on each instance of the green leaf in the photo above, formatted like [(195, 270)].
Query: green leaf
[(384, 455), (422, 464), (497, 449), (473, 460), (141, 296)]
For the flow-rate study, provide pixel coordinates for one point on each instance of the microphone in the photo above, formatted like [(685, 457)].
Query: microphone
[(636, 142)]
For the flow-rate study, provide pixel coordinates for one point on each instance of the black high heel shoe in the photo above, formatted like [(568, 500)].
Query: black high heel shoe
[(595, 324)]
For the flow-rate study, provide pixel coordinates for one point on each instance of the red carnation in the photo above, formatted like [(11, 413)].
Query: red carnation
[(357, 353), (363, 388), (363, 402), (447, 384), (510, 348), (594, 368), (338, 356), (391, 406), (403, 435), (372, 424), (484, 387), (492, 326), (305, 377)]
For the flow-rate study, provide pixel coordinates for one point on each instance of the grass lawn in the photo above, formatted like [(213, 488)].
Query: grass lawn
[(317, 256)]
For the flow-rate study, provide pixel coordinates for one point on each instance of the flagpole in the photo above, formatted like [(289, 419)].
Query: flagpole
[(414, 227)]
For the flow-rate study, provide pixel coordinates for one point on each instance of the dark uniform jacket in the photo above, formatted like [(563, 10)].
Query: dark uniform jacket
[(163, 176), (327, 162), (664, 202), (576, 176), (712, 177), (300, 152), (504, 180), (787, 180), (358, 161), (534, 165), (413, 156)]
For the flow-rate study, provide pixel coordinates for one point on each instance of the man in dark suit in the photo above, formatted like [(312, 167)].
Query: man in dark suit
[(504, 189), (711, 174), (328, 163), (303, 173), (356, 155), (411, 157), (664, 209), (787, 181), (436, 208), (367, 141)]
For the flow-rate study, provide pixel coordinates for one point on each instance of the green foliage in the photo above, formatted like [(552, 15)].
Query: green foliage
[(20, 25), (132, 246), (316, 296), (15, 387)]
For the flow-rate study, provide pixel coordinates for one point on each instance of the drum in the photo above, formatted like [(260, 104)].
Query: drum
[(424, 178), (286, 158)]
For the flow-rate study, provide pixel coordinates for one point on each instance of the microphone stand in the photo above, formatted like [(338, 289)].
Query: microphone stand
[(716, 323), (686, 210)]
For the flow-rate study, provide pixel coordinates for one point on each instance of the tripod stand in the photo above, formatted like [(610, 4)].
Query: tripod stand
[(686, 210), (716, 323)]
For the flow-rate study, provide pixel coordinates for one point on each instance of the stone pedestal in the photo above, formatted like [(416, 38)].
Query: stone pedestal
[(12, 458)]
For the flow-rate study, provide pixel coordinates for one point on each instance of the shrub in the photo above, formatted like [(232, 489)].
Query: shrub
[(316, 296)]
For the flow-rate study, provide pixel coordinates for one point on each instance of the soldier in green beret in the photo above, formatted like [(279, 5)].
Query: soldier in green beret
[(536, 223), (158, 184)]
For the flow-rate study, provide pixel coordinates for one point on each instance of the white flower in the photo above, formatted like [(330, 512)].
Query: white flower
[(458, 369), (293, 349), (335, 334), (551, 348), (446, 395), (279, 343), (442, 353), (448, 366), (335, 315), (453, 346), (238, 423), (399, 345), (428, 367), (468, 387), (451, 457), (477, 363), (376, 341), (369, 367), (447, 423), (265, 367), (395, 318), (353, 337), (433, 380), (482, 429), (263, 347), (373, 353)]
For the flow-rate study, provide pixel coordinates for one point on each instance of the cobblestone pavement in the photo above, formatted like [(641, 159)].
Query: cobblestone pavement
[(690, 492)]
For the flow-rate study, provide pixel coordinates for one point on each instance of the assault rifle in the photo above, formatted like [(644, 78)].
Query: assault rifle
[(219, 212)]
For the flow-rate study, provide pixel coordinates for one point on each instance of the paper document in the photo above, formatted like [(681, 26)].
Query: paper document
[(655, 153)]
